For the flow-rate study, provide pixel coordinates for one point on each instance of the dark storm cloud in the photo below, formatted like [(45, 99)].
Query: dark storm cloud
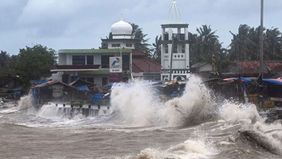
[(82, 23)]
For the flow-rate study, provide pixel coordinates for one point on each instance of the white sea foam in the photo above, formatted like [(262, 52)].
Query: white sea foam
[(25, 102), (137, 103), (252, 124), (234, 112), (190, 149)]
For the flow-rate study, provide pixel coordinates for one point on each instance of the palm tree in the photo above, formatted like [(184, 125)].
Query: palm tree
[(245, 44), (208, 44), (273, 44), (141, 43), (4, 59), (157, 49)]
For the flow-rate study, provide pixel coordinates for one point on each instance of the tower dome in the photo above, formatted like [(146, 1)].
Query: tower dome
[(121, 28)]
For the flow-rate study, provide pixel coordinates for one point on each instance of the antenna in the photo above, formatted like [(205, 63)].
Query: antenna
[(174, 13)]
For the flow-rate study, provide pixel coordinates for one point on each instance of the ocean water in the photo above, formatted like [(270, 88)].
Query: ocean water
[(139, 125)]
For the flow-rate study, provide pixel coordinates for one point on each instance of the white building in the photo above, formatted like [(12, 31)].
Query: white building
[(93, 65), (174, 48), (174, 52)]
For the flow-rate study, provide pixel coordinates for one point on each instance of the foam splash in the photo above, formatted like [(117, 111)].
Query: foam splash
[(190, 149), (235, 112), (193, 107), (253, 126), (49, 111), (25, 102), (137, 103)]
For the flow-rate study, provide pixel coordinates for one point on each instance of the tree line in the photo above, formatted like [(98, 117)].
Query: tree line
[(35, 62), (30, 63), (205, 46)]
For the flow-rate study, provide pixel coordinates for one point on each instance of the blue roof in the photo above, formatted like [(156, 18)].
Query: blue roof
[(272, 82)]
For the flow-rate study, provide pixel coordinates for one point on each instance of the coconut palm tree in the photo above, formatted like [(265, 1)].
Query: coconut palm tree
[(141, 43), (273, 44), (208, 44), (157, 49)]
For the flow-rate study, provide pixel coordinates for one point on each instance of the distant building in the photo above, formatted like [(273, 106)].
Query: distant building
[(116, 61), (252, 67), (174, 48)]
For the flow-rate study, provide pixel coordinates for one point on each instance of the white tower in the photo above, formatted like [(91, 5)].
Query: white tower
[(174, 48)]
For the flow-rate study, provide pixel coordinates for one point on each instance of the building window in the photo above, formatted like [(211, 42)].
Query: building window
[(125, 62), (105, 61), (90, 60), (166, 48), (175, 49), (115, 45), (183, 48), (78, 60), (165, 36), (128, 45)]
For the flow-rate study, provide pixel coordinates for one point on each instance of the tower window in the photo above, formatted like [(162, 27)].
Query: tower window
[(166, 48), (183, 48), (165, 36), (174, 49)]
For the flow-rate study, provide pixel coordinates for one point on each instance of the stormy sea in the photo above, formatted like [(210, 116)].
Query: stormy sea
[(140, 125)]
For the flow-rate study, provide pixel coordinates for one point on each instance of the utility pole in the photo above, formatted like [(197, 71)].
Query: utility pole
[(261, 39), (171, 58)]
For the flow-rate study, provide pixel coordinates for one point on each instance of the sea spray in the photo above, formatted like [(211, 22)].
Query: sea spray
[(137, 103), (253, 126), (25, 102), (49, 111), (235, 112), (193, 107), (190, 149)]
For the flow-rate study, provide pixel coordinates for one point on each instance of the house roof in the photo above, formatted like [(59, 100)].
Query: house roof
[(199, 64), (80, 82), (145, 64), (253, 66), (51, 83)]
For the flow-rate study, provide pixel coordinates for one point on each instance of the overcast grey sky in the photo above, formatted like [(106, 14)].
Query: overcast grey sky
[(61, 24)]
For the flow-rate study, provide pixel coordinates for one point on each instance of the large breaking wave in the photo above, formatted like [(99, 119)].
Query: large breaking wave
[(139, 104)]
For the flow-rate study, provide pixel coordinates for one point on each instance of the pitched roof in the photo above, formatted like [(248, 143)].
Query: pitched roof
[(50, 83), (145, 64), (253, 66)]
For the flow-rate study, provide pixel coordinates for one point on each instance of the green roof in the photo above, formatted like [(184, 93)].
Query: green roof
[(96, 51)]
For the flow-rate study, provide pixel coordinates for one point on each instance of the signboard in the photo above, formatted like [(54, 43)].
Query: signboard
[(57, 91), (115, 64)]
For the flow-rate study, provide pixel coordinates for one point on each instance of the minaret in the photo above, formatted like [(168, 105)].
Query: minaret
[(174, 48)]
